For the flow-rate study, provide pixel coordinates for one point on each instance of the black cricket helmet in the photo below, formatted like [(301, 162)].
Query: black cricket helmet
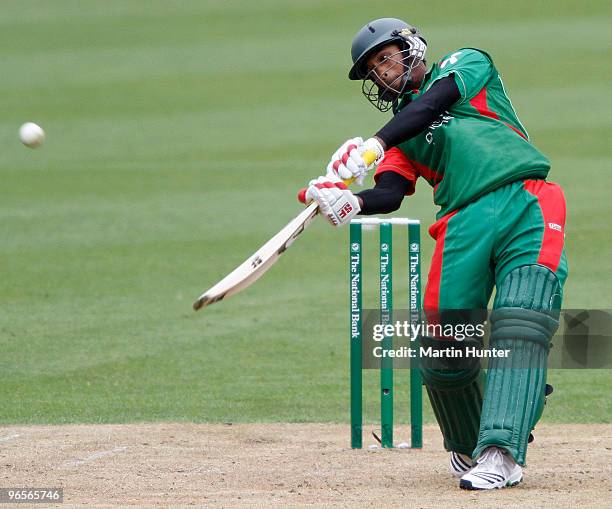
[(372, 37)]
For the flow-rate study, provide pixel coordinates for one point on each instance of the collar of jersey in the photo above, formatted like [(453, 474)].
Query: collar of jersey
[(410, 95)]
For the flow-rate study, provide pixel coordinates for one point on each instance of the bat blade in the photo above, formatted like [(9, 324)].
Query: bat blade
[(258, 263)]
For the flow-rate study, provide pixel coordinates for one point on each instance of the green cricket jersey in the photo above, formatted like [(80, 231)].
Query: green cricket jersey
[(479, 144)]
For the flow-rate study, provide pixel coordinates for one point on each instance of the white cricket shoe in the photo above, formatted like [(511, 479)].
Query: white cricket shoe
[(495, 468), (460, 464)]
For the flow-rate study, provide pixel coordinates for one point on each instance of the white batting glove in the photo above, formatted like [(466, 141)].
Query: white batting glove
[(348, 163), (336, 202)]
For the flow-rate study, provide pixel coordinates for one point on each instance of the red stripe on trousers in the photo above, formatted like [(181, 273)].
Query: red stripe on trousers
[(431, 302), (552, 204), (479, 101)]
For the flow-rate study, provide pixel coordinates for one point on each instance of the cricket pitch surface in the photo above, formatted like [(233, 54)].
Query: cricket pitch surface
[(288, 465)]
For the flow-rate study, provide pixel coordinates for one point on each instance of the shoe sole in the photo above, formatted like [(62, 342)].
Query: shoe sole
[(467, 485)]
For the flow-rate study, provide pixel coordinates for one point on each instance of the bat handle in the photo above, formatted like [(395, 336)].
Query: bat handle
[(369, 157)]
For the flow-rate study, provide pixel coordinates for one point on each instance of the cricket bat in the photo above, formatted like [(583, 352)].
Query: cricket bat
[(259, 262)]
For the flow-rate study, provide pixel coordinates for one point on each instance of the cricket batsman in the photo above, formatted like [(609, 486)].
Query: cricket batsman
[(500, 225)]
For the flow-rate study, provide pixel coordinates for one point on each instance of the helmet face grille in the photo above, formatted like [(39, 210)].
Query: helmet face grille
[(384, 91)]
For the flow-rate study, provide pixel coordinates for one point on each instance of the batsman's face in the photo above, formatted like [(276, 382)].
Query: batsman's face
[(389, 68), (386, 67)]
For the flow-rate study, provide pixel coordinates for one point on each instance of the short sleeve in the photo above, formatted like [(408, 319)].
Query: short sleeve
[(396, 161), (471, 68)]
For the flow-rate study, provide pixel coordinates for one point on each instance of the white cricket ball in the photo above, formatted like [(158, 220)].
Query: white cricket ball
[(31, 135)]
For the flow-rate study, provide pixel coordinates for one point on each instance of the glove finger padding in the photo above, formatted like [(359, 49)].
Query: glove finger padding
[(344, 147), (336, 202), (338, 164), (355, 163), (350, 164), (343, 171)]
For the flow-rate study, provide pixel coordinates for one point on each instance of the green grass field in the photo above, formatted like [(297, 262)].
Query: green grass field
[(178, 135)]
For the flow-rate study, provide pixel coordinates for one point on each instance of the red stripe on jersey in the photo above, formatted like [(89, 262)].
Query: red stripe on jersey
[(479, 102), (552, 204), (432, 176), (431, 301), (516, 130), (395, 160)]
